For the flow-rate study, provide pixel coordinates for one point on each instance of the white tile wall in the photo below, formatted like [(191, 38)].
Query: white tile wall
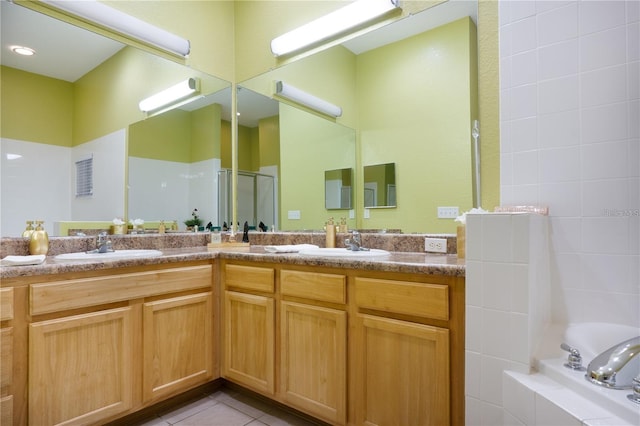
[(507, 305), (570, 139), (186, 184), (42, 169)]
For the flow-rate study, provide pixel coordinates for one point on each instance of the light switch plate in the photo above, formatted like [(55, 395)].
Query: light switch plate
[(450, 212), (293, 214)]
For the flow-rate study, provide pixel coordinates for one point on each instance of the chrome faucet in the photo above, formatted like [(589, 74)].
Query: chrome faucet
[(103, 243), (616, 367), (355, 242)]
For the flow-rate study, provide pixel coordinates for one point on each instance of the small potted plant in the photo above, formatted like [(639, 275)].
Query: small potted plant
[(194, 223)]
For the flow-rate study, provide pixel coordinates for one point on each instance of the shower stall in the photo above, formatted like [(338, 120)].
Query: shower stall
[(257, 199)]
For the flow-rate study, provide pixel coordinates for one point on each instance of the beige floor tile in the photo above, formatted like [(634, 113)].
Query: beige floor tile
[(158, 421), (188, 410), (217, 415), (250, 406), (282, 418)]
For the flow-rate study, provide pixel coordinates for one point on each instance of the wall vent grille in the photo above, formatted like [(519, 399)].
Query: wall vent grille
[(84, 178)]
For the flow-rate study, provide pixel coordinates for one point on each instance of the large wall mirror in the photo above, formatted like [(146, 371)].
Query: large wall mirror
[(409, 92), (59, 110)]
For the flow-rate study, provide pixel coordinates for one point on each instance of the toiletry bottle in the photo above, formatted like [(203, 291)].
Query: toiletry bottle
[(331, 234), (343, 226), (39, 243), (174, 225), (27, 232), (161, 227)]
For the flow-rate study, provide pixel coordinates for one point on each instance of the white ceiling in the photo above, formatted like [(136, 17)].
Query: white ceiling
[(63, 51), (66, 52)]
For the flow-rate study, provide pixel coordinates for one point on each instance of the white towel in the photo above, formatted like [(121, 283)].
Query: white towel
[(293, 248), (35, 259)]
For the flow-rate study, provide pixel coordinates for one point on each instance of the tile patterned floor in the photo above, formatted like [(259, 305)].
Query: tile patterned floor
[(227, 407)]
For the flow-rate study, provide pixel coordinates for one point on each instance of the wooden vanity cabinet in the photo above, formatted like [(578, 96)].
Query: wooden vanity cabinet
[(347, 346), (177, 346), (248, 326), (6, 357), (104, 346), (405, 369), (313, 343), (81, 367)]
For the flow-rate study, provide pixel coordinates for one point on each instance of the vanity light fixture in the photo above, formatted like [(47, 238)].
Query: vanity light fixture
[(99, 13), (301, 97), (338, 22), (171, 95), (23, 50)]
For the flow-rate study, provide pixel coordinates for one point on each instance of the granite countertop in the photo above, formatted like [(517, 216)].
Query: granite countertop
[(407, 262)]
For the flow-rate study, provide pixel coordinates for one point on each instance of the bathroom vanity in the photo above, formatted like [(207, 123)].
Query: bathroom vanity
[(346, 341)]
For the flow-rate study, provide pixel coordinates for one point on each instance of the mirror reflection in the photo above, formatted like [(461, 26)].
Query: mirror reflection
[(380, 185), (294, 146), (63, 110), (338, 189), (411, 98)]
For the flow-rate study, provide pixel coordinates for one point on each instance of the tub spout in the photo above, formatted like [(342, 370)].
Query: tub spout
[(617, 366)]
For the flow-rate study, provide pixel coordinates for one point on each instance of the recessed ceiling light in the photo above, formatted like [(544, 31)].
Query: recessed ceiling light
[(22, 50)]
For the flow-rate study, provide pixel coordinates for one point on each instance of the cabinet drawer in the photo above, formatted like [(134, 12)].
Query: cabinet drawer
[(312, 285), (71, 294), (6, 304), (250, 278), (6, 360), (402, 297)]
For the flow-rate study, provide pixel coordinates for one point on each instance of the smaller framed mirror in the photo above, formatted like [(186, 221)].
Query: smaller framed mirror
[(380, 185), (338, 189)]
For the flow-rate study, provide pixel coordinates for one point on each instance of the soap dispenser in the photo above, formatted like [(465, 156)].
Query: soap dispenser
[(330, 229), (27, 232), (39, 243)]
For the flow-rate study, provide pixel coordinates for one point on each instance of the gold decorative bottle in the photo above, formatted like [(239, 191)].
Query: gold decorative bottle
[(39, 243), (27, 232), (330, 228)]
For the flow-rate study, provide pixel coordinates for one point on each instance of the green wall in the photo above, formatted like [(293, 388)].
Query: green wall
[(41, 108), (106, 99), (178, 135), (269, 138), (417, 111), (310, 145)]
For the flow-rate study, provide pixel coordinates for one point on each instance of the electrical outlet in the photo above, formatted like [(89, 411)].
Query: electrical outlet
[(447, 212), (435, 245)]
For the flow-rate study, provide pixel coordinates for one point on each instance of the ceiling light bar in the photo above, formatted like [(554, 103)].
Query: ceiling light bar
[(346, 18), (172, 94), (101, 14), (303, 98)]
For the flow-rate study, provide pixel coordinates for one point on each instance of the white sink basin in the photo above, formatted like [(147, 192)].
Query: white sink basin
[(117, 254), (343, 252)]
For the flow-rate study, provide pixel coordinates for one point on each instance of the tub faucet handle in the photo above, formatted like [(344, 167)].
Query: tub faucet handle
[(574, 360), (635, 396)]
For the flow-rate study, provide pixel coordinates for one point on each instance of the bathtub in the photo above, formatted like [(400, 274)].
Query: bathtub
[(559, 395)]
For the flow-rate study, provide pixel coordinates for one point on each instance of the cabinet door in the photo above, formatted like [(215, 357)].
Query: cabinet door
[(249, 330), (80, 368), (178, 344), (402, 375), (313, 360)]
